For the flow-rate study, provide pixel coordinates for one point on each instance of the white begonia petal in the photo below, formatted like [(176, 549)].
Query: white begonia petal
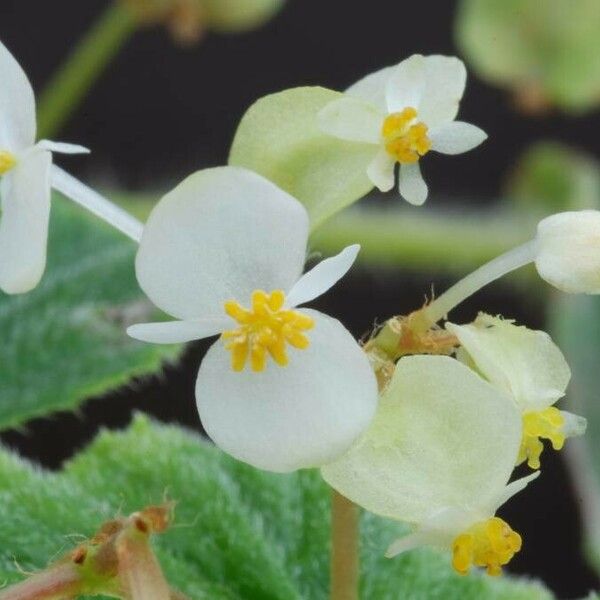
[(302, 415), (406, 84), (574, 424), (525, 363), (435, 443), (220, 235), (514, 487), (411, 185), (352, 120), (439, 530), (322, 277), (381, 171), (456, 137), (62, 147), (174, 332), (568, 251), (445, 80), (17, 105), (25, 191), (372, 88)]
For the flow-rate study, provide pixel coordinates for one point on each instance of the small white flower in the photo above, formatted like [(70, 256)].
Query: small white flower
[(404, 112), (530, 367), (438, 455), (208, 251), (568, 251), (25, 181)]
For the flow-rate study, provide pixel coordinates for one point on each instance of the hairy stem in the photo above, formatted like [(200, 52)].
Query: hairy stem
[(61, 581), (82, 68), (344, 548)]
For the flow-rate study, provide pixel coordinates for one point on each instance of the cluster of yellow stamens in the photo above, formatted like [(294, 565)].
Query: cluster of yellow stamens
[(405, 138), (548, 424), (7, 161), (490, 544), (264, 330)]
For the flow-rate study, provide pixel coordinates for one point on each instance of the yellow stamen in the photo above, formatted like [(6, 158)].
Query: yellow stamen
[(264, 331), (490, 544), (7, 161), (405, 138), (547, 424)]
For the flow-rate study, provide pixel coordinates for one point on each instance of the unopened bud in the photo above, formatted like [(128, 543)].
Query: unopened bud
[(568, 251)]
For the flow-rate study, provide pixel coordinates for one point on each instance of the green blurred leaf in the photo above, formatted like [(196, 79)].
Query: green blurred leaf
[(65, 341), (552, 177), (547, 52), (278, 137), (575, 325), (240, 533)]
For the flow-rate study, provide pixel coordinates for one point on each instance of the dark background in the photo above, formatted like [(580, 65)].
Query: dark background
[(161, 111)]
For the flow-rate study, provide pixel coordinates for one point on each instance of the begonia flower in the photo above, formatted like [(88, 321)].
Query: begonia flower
[(284, 388)]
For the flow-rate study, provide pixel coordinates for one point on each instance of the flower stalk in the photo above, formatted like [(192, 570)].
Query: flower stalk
[(98, 205), (82, 68), (344, 548)]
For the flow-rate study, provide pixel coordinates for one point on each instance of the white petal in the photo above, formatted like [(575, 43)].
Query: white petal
[(568, 251), (525, 363), (439, 530), (352, 119), (322, 277), (285, 418), (24, 222), (405, 85), (445, 80), (514, 487), (62, 147), (372, 88), (381, 171), (574, 424), (456, 137), (174, 332), (435, 443), (411, 185), (220, 235), (17, 105)]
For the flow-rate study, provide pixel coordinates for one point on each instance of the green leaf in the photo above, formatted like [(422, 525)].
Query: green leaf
[(278, 137), (547, 52), (65, 341), (575, 325), (239, 533), (552, 177)]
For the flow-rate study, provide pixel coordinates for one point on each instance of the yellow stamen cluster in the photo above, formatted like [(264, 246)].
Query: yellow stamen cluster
[(264, 330), (405, 138), (7, 161), (490, 544), (547, 424)]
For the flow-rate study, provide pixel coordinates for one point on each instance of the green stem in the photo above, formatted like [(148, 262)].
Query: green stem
[(344, 548), (92, 54), (454, 243)]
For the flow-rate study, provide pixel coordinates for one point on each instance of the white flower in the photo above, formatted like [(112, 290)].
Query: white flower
[(530, 367), (568, 251), (25, 181), (405, 111), (438, 455), (209, 248)]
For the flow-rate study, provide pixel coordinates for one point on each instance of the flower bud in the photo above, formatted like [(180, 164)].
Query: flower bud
[(568, 251)]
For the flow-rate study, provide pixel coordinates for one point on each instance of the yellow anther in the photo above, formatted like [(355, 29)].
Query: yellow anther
[(264, 330), (490, 544), (7, 161), (405, 138), (547, 424)]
